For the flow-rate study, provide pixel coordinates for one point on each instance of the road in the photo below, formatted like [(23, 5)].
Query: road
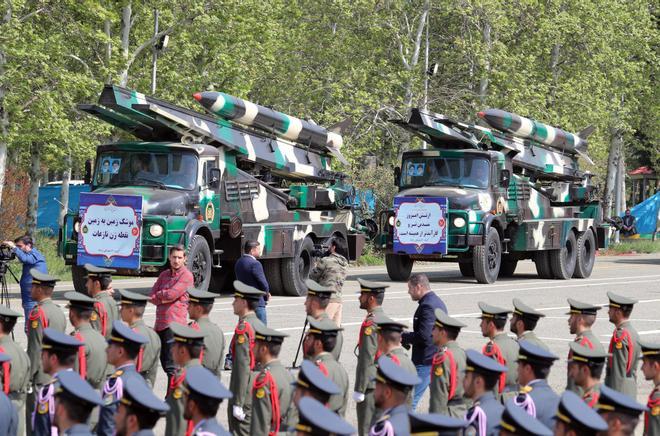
[(634, 276)]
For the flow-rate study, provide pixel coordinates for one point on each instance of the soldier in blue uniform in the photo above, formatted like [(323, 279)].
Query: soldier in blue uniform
[(139, 409), (74, 401), (481, 376), (204, 393), (8, 413), (574, 417), (393, 385), (315, 419), (311, 382), (516, 421), (435, 424), (621, 412), (536, 396)]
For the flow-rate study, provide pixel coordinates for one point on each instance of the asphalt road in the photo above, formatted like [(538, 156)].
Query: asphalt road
[(634, 276)]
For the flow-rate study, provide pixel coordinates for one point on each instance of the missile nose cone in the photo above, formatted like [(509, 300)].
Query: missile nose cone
[(197, 96), (481, 114)]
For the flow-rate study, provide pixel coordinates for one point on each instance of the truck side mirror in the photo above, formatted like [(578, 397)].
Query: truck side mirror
[(214, 177), (397, 176), (505, 178), (88, 171)]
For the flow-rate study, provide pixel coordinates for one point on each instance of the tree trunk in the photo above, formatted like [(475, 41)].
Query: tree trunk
[(64, 193), (125, 33), (4, 119), (108, 48), (33, 195), (483, 83), (616, 144), (622, 181), (554, 70)]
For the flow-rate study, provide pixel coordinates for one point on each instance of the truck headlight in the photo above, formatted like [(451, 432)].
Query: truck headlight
[(76, 227), (459, 222), (156, 230), (390, 221)]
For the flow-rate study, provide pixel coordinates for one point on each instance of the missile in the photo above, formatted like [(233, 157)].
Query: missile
[(531, 129), (282, 125)]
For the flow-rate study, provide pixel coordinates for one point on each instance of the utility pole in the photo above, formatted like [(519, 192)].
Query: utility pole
[(154, 59)]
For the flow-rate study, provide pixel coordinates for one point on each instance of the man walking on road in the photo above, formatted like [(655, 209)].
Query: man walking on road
[(421, 338), (250, 271)]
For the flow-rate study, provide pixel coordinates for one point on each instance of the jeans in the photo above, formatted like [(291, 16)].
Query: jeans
[(424, 373), (166, 360), (28, 304), (260, 311)]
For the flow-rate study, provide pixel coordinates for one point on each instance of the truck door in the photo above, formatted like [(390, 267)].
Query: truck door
[(209, 197)]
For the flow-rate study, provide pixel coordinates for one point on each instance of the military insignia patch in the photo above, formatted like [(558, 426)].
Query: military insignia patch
[(209, 212), (108, 400), (368, 331), (94, 316), (439, 371), (261, 393), (655, 411), (241, 339), (34, 324), (43, 408), (177, 393), (619, 345)]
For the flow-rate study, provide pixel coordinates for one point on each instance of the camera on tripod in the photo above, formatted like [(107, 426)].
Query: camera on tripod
[(6, 254)]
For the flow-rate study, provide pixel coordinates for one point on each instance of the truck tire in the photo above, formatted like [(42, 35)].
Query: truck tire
[(487, 258), (586, 255), (467, 269), (508, 267), (295, 270), (273, 271), (79, 278), (398, 267), (199, 262), (542, 261), (562, 261)]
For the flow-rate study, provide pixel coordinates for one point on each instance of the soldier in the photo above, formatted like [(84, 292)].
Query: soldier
[(200, 304), (315, 419), (651, 370), (46, 314), (271, 391), (330, 271), (9, 418), (585, 366), (481, 378), (435, 424), (581, 317), (318, 298), (447, 368), (246, 299), (92, 362), (131, 311), (16, 371), (187, 352), (319, 341), (515, 421), (500, 346), (311, 382), (536, 396), (99, 287), (371, 300), (393, 389), (139, 409), (123, 348), (619, 411), (574, 417), (620, 373), (75, 400), (523, 322), (204, 393), (389, 342)]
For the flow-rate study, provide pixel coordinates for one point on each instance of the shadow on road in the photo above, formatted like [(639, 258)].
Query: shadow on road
[(644, 261)]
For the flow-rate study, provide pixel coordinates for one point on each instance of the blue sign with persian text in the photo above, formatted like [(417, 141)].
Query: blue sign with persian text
[(420, 225)]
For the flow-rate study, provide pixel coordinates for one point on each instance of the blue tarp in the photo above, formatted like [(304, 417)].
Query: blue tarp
[(646, 214), (49, 208)]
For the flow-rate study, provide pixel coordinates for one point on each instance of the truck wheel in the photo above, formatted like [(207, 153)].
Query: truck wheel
[(487, 258), (398, 267), (542, 261), (586, 255), (562, 261), (273, 271), (508, 267), (295, 270), (467, 269), (199, 262), (79, 277)]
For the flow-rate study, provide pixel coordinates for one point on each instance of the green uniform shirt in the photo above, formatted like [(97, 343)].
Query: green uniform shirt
[(339, 376), (588, 339), (330, 271), (620, 373), (214, 344), (175, 424), (19, 377), (531, 337), (151, 352), (336, 352), (508, 349), (263, 421), (366, 370), (95, 356), (55, 319), (447, 372), (591, 395), (652, 417), (111, 310)]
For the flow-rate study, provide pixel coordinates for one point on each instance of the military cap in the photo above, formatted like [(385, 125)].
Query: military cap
[(325, 327), (8, 313), (367, 286), (186, 335), (202, 382), (583, 354), (580, 308), (124, 335), (310, 377), (573, 411), (316, 419), (79, 300), (393, 374), (443, 320), (650, 350), (492, 312), (97, 271), (434, 424), (266, 334), (316, 290), (201, 297), (477, 362), (535, 355), (517, 421), (70, 383), (385, 323), (57, 340), (138, 395), (247, 292), (132, 298), (39, 278), (619, 301), (614, 401), (524, 310)]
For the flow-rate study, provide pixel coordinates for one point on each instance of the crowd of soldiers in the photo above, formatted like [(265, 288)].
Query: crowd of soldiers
[(98, 379)]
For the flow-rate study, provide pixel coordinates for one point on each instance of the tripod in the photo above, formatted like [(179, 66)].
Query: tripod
[(4, 288)]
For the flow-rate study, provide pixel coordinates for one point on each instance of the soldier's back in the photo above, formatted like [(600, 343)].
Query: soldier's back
[(339, 376), (151, 353), (336, 352), (532, 338), (95, 355), (509, 349), (214, 345)]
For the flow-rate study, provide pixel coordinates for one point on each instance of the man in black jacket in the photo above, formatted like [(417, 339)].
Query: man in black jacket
[(250, 271)]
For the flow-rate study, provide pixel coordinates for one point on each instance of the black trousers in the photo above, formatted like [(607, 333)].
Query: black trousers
[(166, 361)]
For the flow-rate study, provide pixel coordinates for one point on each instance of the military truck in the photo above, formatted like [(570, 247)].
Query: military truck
[(489, 197), (210, 182)]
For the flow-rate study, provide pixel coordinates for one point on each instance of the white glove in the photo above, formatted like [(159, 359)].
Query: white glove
[(358, 397), (238, 413)]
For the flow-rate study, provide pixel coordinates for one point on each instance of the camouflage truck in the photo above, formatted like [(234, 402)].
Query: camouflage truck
[(210, 182), (489, 197)]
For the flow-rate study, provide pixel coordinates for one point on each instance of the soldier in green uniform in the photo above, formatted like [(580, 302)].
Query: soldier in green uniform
[(389, 342), (271, 391), (500, 346), (200, 304), (45, 314), (620, 372), (17, 371), (330, 271), (651, 370), (585, 366), (581, 317), (620, 411), (371, 300), (99, 287), (318, 298), (319, 341), (447, 368), (246, 300), (187, 350), (131, 310), (523, 322)]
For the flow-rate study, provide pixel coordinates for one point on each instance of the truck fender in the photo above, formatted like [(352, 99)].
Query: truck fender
[(195, 227), (488, 221)]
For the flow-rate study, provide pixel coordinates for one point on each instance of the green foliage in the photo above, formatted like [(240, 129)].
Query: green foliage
[(636, 246)]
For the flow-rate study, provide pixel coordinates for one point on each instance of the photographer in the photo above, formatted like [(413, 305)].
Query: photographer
[(330, 271), (30, 257)]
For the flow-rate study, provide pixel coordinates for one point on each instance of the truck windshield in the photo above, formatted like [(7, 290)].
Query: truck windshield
[(463, 171), (176, 170)]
